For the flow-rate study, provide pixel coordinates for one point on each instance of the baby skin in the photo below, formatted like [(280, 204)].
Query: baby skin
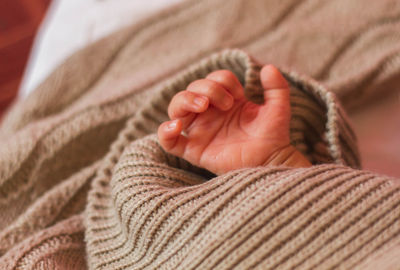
[(213, 125)]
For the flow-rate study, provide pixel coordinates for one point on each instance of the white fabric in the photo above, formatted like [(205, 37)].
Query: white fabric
[(72, 24)]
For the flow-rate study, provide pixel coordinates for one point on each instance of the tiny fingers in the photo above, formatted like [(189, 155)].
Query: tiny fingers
[(186, 102), (229, 81), (219, 88), (169, 135), (216, 93)]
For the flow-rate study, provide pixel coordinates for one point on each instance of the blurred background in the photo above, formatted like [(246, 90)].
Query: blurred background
[(37, 35), (19, 22)]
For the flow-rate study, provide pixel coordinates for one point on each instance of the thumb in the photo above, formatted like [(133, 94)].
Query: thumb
[(275, 112), (276, 88)]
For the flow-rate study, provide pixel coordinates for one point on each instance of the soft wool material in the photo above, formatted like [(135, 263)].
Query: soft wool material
[(82, 185)]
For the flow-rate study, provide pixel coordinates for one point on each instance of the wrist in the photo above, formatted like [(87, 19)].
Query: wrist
[(288, 156)]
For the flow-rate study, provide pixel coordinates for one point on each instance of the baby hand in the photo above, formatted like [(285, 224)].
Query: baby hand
[(223, 131)]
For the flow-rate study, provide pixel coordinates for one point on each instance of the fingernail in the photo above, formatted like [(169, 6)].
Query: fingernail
[(172, 125), (199, 101)]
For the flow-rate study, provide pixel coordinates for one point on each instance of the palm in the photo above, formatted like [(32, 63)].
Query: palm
[(247, 135), (225, 131)]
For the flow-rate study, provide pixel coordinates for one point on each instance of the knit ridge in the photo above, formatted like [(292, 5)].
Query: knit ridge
[(83, 183), (156, 218), (146, 177)]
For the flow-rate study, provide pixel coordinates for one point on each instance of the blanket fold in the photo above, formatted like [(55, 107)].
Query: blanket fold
[(84, 184), (154, 215)]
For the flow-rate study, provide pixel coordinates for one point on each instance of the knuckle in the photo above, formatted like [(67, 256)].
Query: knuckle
[(178, 103), (211, 90), (173, 106), (170, 111), (179, 96), (204, 87), (223, 75), (195, 85)]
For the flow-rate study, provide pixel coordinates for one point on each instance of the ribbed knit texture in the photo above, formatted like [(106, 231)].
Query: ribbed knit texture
[(154, 215), (80, 186)]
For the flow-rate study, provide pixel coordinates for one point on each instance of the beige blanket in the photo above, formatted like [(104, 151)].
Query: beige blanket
[(81, 185)]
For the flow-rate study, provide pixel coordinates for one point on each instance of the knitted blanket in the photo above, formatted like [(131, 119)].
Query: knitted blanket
[(84, 184)]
